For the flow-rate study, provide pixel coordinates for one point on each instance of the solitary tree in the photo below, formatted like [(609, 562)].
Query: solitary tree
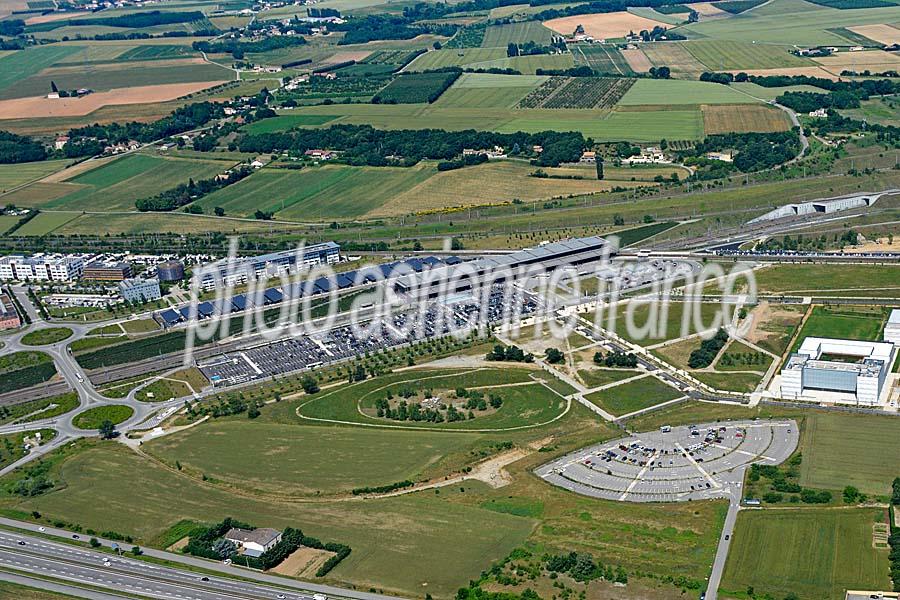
[(599, 168), (107, 430)]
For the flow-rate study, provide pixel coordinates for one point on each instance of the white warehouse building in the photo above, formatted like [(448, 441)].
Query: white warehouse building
[(840, 371), (892, 328)]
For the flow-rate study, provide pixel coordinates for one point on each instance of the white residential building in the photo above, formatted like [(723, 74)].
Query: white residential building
[(253, 542), (41, 268)]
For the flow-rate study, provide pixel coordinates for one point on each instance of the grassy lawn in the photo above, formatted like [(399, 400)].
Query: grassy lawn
[(287, 121), (50, 335), (45, 223), (295, 464), (732, 382), (523, 405), (18, 174), (723, 55), (858, 450), (138, 326), (19, 65), (829, 280), (596, 377), (844, 322), (92, 418), (635, 395), (679, 320), (815, 553), (499, 36), (13, 590)]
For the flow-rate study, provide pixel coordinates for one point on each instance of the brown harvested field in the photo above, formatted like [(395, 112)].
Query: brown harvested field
[(39, 193), (743, 118), (709, 10), (8, 6), (604, 25), (49, 18), (20, 108), (885, 34), (873, 60), (637, 60), (489, 183), (809, 71), (304, 562), (340, 57), (675, 56)]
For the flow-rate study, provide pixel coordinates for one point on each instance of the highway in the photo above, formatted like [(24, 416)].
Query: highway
[(83, 566)]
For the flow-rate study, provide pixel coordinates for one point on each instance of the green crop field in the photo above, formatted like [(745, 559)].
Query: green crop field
[(18, 66), (415, 88), (499, 36), (7, 221), (675, 92), (108, 78), (117, 184), (45, 223), (646, 126), (792, 21), (830, 280), (724, 55), (295, 467), (814, 553), (15, 175), (483, 90), (455, 57), (603, 58), (634, 395), (843, 322), (858, 450), (283, 122), (156, 52), (317, 193)]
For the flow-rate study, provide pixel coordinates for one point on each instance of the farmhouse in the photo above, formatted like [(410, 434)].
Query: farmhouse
[(254, 542), (819, 113), (320, 154), (61, 142), (588, 157), (840, 371)]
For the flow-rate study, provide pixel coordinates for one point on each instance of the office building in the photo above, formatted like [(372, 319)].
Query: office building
[(41, 267), (140, 290)]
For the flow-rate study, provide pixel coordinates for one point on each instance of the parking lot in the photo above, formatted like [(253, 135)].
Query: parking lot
[(674, 464), (297, 353)]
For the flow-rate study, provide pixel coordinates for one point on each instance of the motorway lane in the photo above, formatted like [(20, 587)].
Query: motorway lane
[(120, 574), (67, 590), (303, 588)]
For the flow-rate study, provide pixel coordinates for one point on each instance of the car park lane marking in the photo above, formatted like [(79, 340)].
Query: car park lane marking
[(697, 465), (639, 477)]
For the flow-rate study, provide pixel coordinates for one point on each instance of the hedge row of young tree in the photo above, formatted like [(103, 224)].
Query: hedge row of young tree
[(191, 191)]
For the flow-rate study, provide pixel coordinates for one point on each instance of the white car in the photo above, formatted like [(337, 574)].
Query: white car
[(42, 529)]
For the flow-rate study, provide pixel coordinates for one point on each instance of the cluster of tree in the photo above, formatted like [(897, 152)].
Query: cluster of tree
[(582, 71), (383, 489), (231, 405), (413, 411), (509, 354), (800, 242), (862, 88), (365, 145), (19, 148), (191, 191), (731, 359), (143, 35), (804, 102), (321, 13), (852, 495), (704, 355), (136, 20), (660, 72), (12, 27), (475, 400), (182, 119), (753, 151), (387, 27), (659, 33), (466, 161), (582, 567), (836, 123), (531, 48), (554, 356), (895, 492), (34, 480), (616, 359), (239, 49), (781, 482)]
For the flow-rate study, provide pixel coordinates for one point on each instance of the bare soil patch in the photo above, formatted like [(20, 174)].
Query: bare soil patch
[(303, 563), (886, 34), (177, 546), (873, 60), (605, 25), (637, 60), (340, 57), (720, 118), (709, 10), (73, 107), (810, 71)]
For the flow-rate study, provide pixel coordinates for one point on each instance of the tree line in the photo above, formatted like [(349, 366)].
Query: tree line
[(365, 145)]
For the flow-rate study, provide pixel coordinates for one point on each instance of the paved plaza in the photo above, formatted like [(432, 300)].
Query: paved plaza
[(673, 464)]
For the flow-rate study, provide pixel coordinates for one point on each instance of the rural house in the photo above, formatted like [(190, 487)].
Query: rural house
[(254, 542)]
